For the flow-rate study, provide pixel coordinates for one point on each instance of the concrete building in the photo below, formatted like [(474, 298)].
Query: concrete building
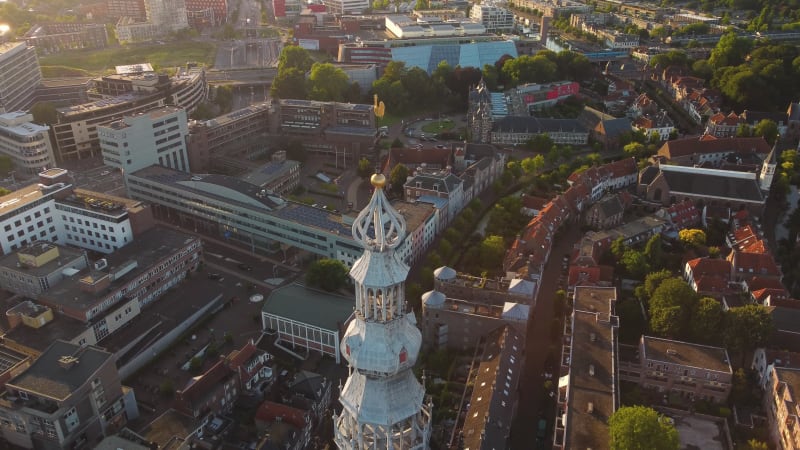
[(407, 27), (462, 309), (209, 140), (54, 211), (588, 389), (116, 96), (281, 175), (440, 184), (218, 9), (157, 136), (517, 130), (168, 15), (329, 128), (339, 7), (297, 316), (70, 397), (693, 371), (493, 18), (126, 8), (26, 143), (130, 30), (38, 267), (21, 76), (781, 406), (56, 37)]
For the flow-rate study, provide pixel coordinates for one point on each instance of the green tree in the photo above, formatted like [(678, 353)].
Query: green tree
[(294, 57), (731, 50), (398, 177), (492, 250), (327, 83), (746, 328), (754, 444), (635, 263), (654, 279), (671, 307), (540, 143), (490, 76), (364, 168), (44, 113), (744, 130), (327, 274), (692, 237), (634, 149), (653, 252), (618, 247), (289, 84), (768, 130), (707, 320), (533, 165), (641, 428)]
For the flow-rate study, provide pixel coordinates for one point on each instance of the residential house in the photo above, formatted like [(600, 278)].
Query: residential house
[(441, 184), (212, 392), (609, 211), (659, 124), (693, 371), (721, 126), (531, 205), (681, 215), (289, 428), (250, 364), (604, 128), (582, 275), (517, 130), (708, 276), (642, 106), (765, 359), (746, 266), (415, 158), (695, 151)]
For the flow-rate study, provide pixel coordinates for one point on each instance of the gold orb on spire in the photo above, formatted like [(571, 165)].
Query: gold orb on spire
[(378, 180)]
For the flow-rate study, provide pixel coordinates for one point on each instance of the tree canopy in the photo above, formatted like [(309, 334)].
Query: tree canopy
[(327, 274), (328, 83), (641, 428), (692, 236)]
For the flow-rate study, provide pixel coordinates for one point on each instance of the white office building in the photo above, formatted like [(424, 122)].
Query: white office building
[(26, 143), (495, 19), (157, 136), (346, 6), (20, 75), (52, 210)]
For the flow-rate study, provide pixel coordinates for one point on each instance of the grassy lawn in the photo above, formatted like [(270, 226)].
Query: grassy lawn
[(438, 126), (169, 54)]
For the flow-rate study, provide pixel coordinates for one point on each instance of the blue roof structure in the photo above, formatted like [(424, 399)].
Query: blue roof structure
[(474, 54)]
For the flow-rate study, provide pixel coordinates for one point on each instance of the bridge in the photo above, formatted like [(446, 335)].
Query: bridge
[(243, 77)]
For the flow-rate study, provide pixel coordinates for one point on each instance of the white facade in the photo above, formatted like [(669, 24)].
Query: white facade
[(26, 143), (155, 137), (169, 15), (493, 18), (383, 404), (33, 214), (20, 75), (128, 30), (346, 6)]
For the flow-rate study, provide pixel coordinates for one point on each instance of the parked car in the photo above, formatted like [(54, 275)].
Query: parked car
[(214, 276), (245, 267)]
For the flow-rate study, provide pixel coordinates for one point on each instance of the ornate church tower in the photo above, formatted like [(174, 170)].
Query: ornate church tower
[(768, 168), (384, 405)]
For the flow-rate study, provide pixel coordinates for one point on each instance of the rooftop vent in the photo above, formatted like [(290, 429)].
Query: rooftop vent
[(67, 362), (590, 408), (672, 351)]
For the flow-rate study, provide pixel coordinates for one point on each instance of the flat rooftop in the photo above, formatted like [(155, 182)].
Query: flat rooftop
[(686, 354), (24, 196), (146, 250), (130, 205), (415, 214), (594, 299), (61, 327), (592, 396), (66, 255), (310, 306), (46, 377), (8, 46), (169, 427)]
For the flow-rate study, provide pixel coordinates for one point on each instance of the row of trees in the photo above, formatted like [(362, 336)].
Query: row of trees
[(325, 82)]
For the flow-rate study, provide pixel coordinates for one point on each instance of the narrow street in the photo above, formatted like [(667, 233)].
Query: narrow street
[(534, 401)]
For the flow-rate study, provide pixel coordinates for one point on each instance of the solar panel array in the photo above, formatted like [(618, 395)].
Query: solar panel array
[(314, 217)]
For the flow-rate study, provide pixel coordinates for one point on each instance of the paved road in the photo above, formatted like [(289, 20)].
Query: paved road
[(534, 402)]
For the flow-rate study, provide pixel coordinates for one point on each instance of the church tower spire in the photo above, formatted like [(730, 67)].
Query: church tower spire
[(383, 404), (768, 167)]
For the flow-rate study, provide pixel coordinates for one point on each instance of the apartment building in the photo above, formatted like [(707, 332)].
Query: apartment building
[(280, 175), (113, 98), (339, 7), (26, 143), (168, 15), (438, 184), (38, 267), (690, 370), (21, 76), (218, 9), (781, 406), (157, 136), (70, 397), (461, 308), (56, 37), (588, 388), (493, 18), (126, 8), (130, 29)]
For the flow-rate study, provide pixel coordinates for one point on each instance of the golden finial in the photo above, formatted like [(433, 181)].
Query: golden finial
[(378, 180)]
